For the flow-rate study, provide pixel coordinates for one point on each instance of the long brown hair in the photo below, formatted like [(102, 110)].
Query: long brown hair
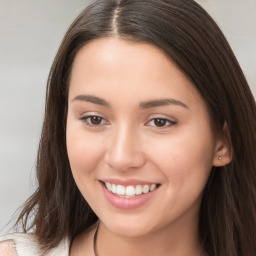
[(189, 36)]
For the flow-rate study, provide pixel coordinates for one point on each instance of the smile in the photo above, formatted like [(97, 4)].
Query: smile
[(130, 190)]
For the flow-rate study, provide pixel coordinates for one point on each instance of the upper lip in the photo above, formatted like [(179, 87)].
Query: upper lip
[(128, 182)]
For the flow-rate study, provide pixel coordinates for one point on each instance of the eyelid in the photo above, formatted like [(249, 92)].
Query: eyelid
[(85, 117), (171, 122)]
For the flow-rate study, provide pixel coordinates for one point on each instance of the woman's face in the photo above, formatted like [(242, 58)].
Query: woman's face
[(135, 124)]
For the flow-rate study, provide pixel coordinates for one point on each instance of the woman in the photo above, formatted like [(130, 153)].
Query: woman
[(148, 143)]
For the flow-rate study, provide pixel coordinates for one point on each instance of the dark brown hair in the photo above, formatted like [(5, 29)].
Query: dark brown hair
[(189, 36)]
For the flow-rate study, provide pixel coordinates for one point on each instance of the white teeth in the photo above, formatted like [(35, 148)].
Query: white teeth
[(108, 185), (152, 187), (113, 188), (129, 191), (120, 190), (145, 189), (138, 190)]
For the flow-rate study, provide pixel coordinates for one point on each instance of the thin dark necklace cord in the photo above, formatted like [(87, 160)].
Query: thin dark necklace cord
[(95, 238)]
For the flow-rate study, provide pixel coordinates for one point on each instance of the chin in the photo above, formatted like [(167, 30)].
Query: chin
[(129, 227)]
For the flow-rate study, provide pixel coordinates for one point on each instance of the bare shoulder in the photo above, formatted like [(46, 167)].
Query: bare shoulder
[(7, 248)]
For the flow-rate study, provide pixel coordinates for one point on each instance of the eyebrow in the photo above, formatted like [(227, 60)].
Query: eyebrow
[(143, 105), (162, 102), (92, 99)]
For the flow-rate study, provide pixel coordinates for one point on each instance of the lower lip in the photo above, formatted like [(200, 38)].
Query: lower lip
[(127, 203)]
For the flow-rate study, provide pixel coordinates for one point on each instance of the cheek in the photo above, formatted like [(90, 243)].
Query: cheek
[(185, 158), (186, 164), (84, 156), (83, 151)]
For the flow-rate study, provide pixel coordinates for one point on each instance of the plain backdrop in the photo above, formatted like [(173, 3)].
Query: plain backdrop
[(30, 34)]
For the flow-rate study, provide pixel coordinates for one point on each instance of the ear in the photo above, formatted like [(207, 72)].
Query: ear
[(223, 149)]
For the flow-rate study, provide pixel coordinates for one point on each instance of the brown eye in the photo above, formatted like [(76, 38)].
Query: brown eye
[(94, 120), (160, 122)]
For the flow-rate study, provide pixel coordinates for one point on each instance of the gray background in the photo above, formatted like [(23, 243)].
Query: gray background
[(30, 33)]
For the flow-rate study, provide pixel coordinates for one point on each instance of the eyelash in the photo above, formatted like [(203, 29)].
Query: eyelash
[(88, 120), (164, 122)]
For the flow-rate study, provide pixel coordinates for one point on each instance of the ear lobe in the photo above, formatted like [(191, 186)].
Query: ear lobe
[(223, 149)]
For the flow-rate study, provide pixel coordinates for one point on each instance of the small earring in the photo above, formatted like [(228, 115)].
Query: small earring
[(220, 157)]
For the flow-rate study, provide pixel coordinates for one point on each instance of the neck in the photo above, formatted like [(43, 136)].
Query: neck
[(166, 241)]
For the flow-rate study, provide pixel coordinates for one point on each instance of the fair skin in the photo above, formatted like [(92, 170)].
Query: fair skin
[(134, 119)]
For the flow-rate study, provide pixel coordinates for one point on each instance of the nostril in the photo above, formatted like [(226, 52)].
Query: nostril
[(123, 151), (125, 163)]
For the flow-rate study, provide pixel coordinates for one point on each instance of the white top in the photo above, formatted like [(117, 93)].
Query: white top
[(21, 244)]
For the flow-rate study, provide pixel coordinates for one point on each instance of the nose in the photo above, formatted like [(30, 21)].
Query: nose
[(124, 150)]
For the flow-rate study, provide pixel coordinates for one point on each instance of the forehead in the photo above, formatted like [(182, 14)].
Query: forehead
[(121, 54), (124, 70)]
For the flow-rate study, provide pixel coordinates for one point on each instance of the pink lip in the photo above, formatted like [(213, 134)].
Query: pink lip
[(127, 203)]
